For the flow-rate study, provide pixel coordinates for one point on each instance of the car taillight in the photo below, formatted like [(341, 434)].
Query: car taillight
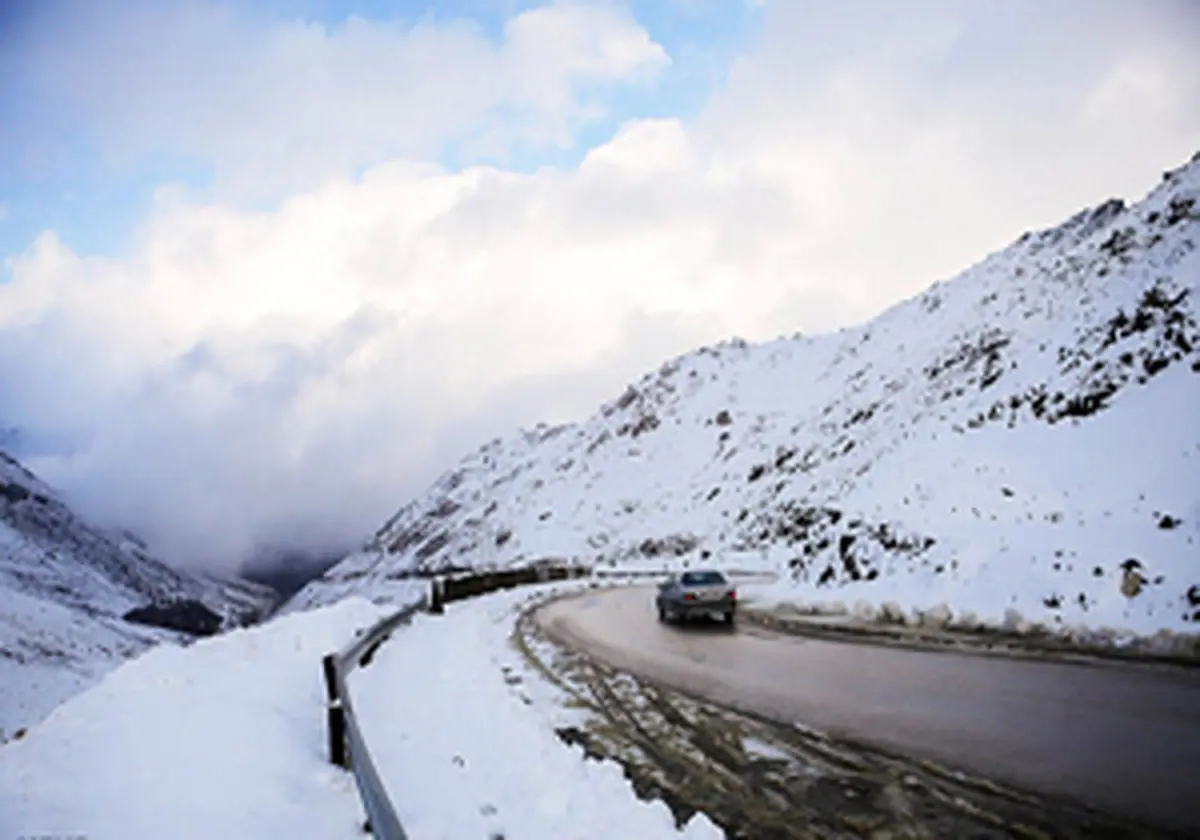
[(732, 594), (689, 597)]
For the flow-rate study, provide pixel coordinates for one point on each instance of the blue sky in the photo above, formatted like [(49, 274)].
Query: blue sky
[(54, 177)]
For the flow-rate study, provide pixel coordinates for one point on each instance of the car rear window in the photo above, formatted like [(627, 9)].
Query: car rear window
[(701, 578)]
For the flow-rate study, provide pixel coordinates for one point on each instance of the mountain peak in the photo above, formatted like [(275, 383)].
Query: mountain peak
[(987, 441)]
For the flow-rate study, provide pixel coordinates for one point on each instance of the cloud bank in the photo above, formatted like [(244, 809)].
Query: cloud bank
[(291, 375), (276, 106)]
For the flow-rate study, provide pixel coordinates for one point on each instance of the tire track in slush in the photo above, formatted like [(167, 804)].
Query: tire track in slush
[(757, 778)]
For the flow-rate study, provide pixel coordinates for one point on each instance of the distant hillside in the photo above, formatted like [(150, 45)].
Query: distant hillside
[(65, 586), (287, 571), (1023, 435)]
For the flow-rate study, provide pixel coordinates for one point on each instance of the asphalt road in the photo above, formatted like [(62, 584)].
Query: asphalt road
[(1123, 739)]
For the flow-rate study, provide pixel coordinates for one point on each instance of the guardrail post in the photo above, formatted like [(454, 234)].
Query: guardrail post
[(329, 665), (337, 734), (435, 597), (337, 715)]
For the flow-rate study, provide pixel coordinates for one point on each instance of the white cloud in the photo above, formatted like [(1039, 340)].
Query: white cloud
[(279, 106), (293, 374), (297, 374)]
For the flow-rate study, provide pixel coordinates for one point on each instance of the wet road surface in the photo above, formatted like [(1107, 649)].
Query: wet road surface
[(1120, 738)]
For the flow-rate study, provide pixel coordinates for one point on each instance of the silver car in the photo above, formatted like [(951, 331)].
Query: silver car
[(696, 594)]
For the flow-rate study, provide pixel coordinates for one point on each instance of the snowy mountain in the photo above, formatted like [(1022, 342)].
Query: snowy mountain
[(65, 588), (1021, 437)]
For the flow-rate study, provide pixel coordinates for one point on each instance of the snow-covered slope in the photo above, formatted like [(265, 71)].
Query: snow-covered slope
[(227, 739), (1024, 436), (64, 587), (218, 740)]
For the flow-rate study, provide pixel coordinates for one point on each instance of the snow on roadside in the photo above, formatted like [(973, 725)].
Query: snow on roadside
[(50, 652), (462, 730), (225, 738)]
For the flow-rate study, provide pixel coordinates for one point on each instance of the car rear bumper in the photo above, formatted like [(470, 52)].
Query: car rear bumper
[(697, 609)]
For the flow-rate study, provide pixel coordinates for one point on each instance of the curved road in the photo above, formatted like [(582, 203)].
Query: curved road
[(1123, 739)]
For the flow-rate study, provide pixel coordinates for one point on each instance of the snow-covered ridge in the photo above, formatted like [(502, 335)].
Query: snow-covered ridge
[(65, 585), (54, 554), (1019, 437)]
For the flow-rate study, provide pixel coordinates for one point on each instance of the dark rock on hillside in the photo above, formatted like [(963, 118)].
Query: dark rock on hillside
[(189, 617)]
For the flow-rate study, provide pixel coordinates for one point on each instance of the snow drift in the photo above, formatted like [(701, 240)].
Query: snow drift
[(222, 739)]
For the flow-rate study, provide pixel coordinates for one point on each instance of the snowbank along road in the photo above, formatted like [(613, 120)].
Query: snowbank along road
[(1123, 739)]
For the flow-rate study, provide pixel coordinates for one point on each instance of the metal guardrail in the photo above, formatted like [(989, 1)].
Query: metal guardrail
[(456, 588), (347, 747)]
